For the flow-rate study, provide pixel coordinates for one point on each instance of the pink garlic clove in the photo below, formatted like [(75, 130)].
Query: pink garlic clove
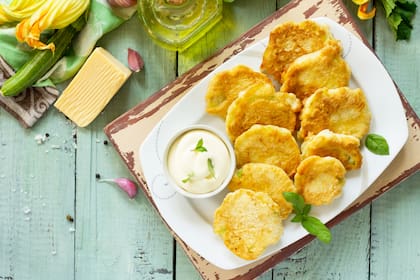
[(122, 3), (125, 184), (135, 61)]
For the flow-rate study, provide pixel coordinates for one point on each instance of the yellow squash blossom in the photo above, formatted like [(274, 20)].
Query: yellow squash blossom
[(362, 11), (52, 14), (18, 10)]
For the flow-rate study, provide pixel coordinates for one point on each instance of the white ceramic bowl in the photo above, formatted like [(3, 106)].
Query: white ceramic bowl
[(226, 142)]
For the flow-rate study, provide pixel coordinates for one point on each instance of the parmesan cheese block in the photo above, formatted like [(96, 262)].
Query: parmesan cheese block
[(97, 81)]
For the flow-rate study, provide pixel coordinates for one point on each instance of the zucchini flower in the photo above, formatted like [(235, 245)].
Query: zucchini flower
[(18, 10), (362, 11), (52, 14), (399, 14)]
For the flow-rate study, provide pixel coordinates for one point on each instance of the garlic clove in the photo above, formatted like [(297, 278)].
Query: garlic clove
[(125, 184), (122, 3), (135, 61)]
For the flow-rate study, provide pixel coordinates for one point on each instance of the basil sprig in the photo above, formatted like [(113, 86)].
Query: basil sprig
[(377, 144), (312, 224), (199, 146)]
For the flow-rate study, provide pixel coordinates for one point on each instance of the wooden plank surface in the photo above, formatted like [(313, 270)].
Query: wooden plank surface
[(394, 234), (116, 238), (37, 192)]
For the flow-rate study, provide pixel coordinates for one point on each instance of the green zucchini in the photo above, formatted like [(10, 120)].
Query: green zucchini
[(42, 61)]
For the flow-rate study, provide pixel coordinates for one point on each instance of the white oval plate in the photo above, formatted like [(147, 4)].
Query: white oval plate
[(192, 220)]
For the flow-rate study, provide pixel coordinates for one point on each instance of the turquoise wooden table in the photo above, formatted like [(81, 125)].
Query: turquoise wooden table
[(57, 221)]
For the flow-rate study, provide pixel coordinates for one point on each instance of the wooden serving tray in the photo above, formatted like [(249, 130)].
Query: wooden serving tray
[(141, 119)]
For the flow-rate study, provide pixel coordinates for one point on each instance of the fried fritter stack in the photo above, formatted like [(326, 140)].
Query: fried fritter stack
[(323, 68), (261, 104), (320, 179), (343, 147), (341, 110), (291, 40), (227, 85), (267, 178), (268, 144), (301, 138)]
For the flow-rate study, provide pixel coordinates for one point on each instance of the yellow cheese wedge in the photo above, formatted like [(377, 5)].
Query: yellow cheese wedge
[(97, 81)]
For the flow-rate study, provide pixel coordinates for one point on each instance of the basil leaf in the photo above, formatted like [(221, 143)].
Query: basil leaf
[(297, 219), (296, 200), (306, 209), (199, 146), (377, 144), (315, 227)]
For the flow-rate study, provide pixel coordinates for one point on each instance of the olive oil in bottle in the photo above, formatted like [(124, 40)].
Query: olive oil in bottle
[(176, 24)]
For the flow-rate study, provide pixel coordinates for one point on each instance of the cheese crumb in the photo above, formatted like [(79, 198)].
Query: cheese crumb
[(40, 139)]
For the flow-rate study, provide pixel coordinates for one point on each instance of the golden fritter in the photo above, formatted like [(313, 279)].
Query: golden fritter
[(267, 178), (327, 143), (262, 105), (248, 222), (341, 110), (320, 179), (268, 144), (289, 41), (227, 85), (323, 68)]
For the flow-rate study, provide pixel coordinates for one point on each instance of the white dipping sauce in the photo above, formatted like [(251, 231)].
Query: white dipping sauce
[(195, 170)]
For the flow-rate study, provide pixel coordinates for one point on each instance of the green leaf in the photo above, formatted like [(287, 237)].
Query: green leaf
[(296, 200), (312, 224), (199, 146), (389, 5), (406, 10), (315, 227), (297, 219), (210, 167), (399, 14), (306, 209), (403, 31), (377, 144)]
